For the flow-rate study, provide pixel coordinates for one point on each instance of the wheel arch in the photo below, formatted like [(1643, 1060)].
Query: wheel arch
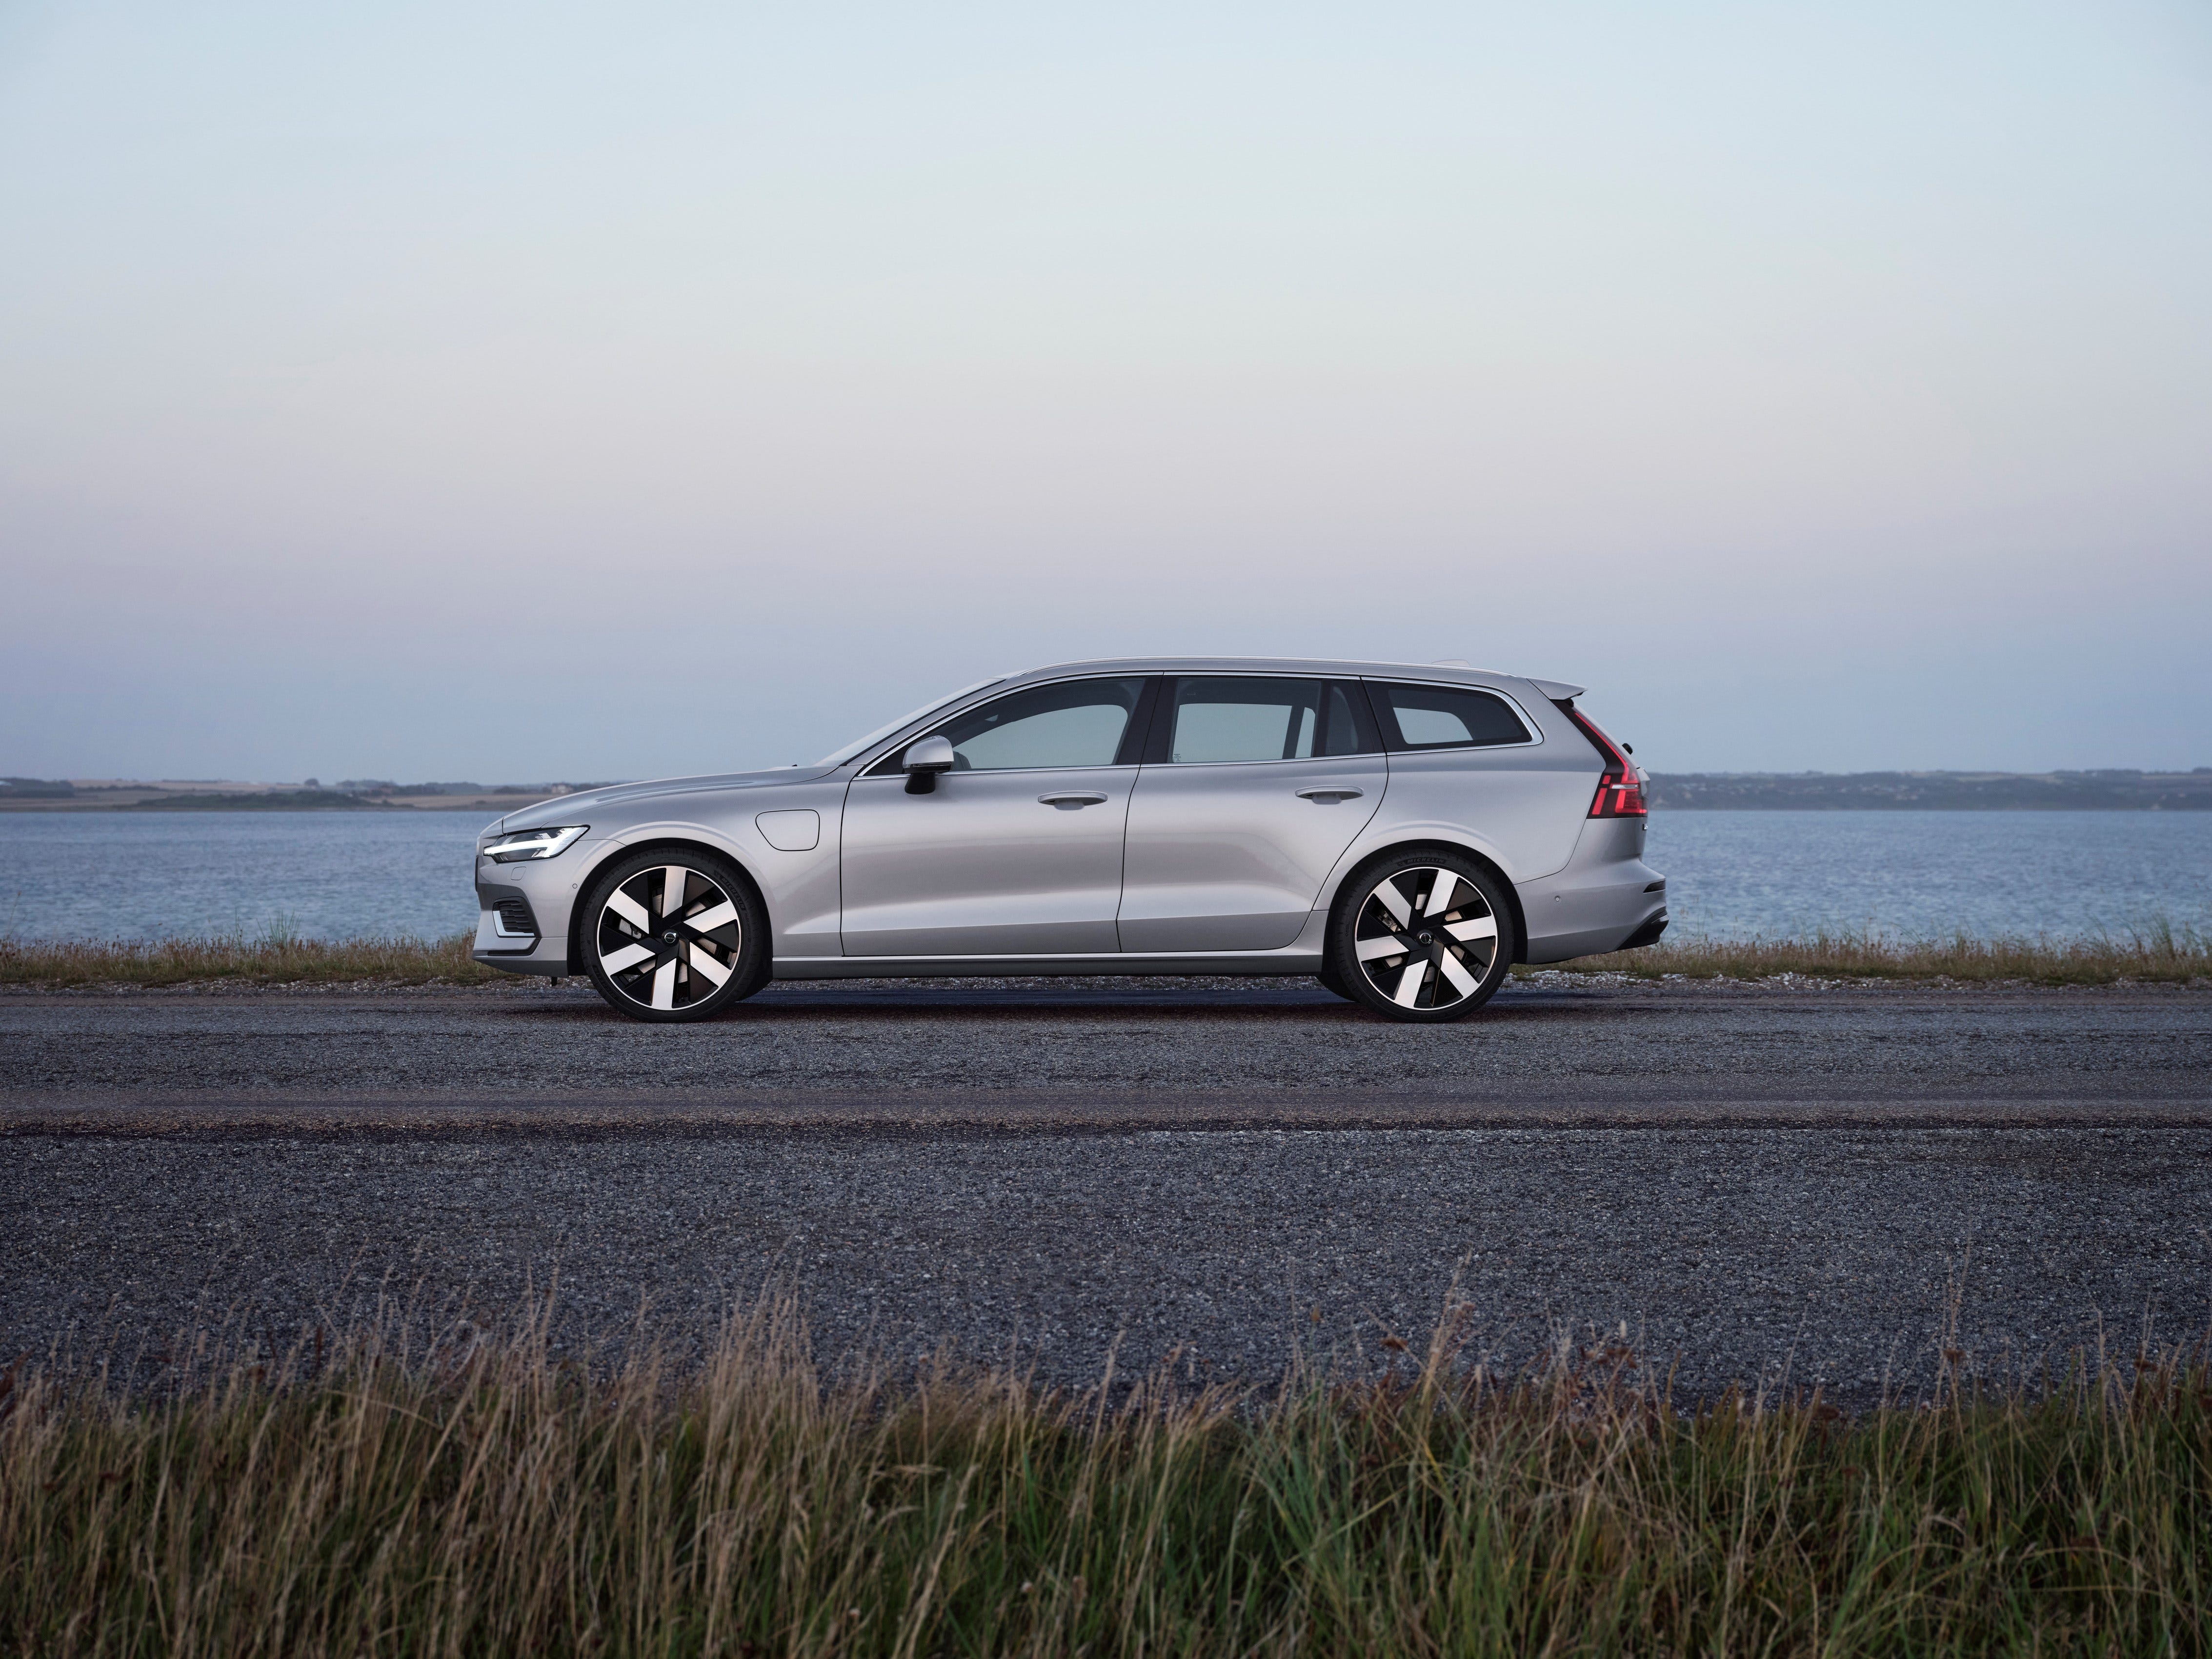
[(655, 844), (1350, 879)]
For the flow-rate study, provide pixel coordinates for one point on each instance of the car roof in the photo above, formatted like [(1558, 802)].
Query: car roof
[(1425, 671)]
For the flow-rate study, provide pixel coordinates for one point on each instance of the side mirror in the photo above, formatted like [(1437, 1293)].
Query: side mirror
[(923, 761)]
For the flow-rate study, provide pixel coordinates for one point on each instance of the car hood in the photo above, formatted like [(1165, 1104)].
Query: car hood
[(579, 808)]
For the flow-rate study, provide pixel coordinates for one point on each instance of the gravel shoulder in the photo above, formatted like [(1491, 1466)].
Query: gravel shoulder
[(1830, 1182)]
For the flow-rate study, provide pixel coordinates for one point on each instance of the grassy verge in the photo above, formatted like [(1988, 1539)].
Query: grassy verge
[(264, 959), (2160, 954), (493, 1501)]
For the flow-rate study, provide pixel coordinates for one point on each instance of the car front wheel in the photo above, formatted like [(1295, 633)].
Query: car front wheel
[(673, 936), (1425, 937)]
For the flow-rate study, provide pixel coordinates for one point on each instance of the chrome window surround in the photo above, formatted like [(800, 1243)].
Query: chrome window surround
[(937, 717)]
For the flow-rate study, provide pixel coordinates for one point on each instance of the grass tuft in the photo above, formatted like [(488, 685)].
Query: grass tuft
[(276, 958), (493, 1499), (2159, 954)]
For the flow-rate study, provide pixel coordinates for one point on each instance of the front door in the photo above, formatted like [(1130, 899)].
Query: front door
[(1017, 850), (1253, 787)]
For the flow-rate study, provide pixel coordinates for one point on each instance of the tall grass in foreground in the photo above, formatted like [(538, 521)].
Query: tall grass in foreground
[(495, 1502)]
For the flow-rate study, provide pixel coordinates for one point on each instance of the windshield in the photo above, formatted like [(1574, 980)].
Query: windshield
[(839, 757)]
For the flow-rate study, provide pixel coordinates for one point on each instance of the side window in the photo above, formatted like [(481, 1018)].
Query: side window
[(1443, 716), (1073, 723), (1225, 718)]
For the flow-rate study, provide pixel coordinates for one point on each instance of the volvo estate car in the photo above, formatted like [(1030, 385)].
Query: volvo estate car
[(1403, 833)]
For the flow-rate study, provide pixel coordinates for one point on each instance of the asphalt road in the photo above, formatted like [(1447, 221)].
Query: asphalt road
[(1832, 1184)]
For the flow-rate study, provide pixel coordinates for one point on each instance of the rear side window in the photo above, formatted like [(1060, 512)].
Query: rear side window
[(1235, 718), (1216, 719), (1416, 717)]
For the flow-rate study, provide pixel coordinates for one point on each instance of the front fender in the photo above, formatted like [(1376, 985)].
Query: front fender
[(797, 884)]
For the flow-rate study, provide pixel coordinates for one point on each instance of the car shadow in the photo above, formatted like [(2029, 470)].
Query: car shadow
[(825, 1001)]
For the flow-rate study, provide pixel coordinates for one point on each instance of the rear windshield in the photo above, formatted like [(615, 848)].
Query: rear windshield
[(1417, 717)]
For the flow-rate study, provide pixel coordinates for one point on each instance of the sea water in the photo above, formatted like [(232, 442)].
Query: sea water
[(1911, 875)]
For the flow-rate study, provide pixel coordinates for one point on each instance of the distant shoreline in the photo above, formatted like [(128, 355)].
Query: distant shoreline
[(2114, 791), (1932, 791), (43, 795)]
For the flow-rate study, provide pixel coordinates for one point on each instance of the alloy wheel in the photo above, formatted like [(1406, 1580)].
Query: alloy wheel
[(669, 937), (1426, 938)]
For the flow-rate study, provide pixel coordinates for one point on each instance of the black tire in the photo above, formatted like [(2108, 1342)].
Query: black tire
[(652, 959), (1451, 923)]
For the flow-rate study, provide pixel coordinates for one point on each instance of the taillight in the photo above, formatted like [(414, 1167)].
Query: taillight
[(1619, 792), (1620, 798)]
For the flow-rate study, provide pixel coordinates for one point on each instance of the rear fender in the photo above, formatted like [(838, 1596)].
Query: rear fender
[(1414, 838)]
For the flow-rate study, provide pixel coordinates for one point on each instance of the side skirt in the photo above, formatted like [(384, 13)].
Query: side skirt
[(1302, 956), (1279, 963)]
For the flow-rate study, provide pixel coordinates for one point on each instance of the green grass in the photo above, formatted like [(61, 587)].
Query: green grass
[(2158, 954), (497, 1501)]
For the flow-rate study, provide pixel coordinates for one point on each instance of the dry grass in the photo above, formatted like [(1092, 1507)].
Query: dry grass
[(2159, 954), (276, 958), (492, 1501)]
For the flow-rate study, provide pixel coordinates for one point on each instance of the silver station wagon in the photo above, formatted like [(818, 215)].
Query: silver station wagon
[(1403, 833)]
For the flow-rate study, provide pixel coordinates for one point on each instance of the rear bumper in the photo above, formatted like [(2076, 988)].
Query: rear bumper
[(1607, 898)]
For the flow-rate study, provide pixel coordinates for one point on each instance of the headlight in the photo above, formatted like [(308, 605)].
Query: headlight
[(531, 844)]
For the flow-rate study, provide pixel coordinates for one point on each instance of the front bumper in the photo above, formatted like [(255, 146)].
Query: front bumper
[(522, 911)]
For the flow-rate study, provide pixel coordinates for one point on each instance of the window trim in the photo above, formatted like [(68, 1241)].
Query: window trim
[(1400, 747), (938, 718)]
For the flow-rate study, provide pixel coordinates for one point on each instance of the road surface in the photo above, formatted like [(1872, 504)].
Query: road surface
[(1829, 1184)]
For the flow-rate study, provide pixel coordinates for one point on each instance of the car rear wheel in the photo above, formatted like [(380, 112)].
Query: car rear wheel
[(673, 936), (1425, 937)]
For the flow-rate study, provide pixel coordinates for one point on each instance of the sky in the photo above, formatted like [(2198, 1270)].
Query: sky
[(525, 392)]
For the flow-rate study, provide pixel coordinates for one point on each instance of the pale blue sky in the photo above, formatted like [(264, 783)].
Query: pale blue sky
[(524, 392)]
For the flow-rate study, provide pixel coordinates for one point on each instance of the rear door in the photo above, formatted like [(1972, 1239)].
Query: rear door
[(1017, 850), (1253, 787)]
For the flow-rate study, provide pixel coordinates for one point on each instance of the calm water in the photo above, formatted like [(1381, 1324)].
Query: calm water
[(1730, 874)]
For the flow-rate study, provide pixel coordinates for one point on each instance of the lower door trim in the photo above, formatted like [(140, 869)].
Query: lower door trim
[(1302, 956)]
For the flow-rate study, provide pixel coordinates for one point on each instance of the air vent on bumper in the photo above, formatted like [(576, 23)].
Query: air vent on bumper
[(512, 919)]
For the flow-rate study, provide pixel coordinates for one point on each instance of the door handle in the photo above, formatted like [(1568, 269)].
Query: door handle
[(1073, 799), (1326, 797)]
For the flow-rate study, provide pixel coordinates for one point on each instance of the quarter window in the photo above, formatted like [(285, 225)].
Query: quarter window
[(1444, 717), (1073, 723)]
